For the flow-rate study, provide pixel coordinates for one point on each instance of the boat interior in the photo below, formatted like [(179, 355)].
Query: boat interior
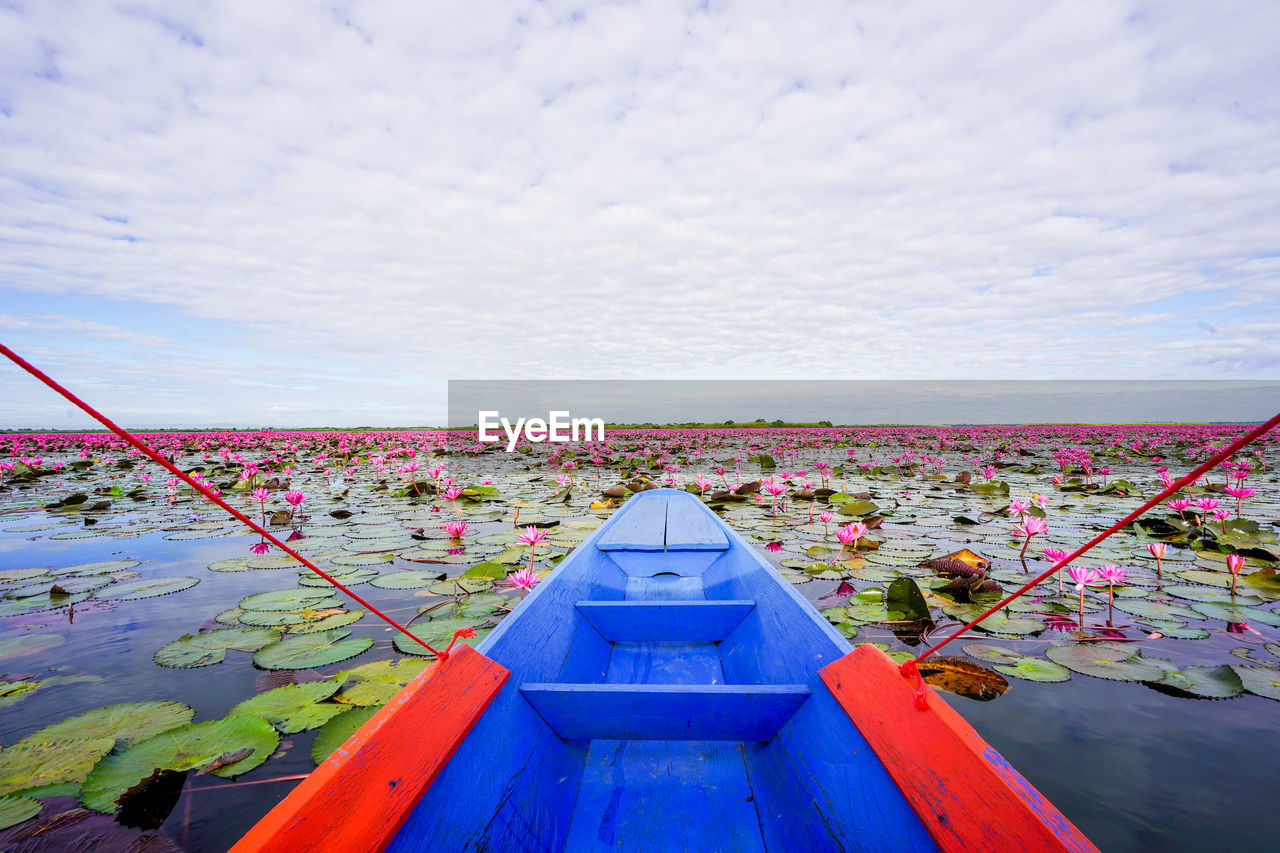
[(664, 695)]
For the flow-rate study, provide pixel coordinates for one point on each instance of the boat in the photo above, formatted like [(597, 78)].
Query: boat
[(664, 689)]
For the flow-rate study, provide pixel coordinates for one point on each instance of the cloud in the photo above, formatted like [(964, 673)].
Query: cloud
[(657, 189), (49, 324)]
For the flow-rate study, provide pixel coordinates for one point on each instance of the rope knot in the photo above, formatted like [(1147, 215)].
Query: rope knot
[(909, 670)]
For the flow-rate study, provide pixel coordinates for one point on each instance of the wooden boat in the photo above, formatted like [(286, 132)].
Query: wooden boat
[(664, 689)]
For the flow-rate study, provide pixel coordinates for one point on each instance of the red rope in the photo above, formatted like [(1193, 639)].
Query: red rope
[(102, 419), (1220, 456)]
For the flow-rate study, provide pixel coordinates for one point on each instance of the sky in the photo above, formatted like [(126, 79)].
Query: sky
[(298, 213)]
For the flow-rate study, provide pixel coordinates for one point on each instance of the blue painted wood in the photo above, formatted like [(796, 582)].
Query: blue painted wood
[(691, 529), (750, 712), (683, 621), (665, 663), (666, 796), (515, 784), (641, 528), (664, 587), (647, 564)]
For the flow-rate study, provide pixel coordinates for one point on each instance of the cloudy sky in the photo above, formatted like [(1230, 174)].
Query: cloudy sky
[(294, 213)]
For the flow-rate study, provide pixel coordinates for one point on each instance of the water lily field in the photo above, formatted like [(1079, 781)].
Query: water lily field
[(166, 675)]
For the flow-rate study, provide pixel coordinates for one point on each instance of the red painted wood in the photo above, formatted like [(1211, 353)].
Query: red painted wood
[(966, 794), (357, 799)]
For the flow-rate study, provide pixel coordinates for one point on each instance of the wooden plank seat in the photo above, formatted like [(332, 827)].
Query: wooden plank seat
[(733, 712), (676, 621)]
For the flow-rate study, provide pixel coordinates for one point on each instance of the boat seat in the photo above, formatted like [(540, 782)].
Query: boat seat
[(699, 621), (732, 712)]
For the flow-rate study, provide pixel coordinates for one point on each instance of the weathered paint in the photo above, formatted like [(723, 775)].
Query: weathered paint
[(964, 791), (357, 799)]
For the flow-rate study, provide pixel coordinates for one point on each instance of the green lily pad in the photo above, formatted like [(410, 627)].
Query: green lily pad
[(29, 644), (470, 607), (191, 650), (296, 598), (418, 579), (104, 567), (1035, 669), (304, 651), (32, 765), (186, 748), (293, 707), (147, 588), (378, 682), (338, 730), (128, 723), (1105, 660), (327, 623), (1259, 680), (437, 634), (14, 810), (13, 692), (1208, 682), (992, 653), (457, 586)]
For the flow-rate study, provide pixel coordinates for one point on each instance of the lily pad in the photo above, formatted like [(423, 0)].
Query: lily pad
[(378, 682), (1238, 613), (418, 579), (304, 651), (338, 730), (1035, 669), (992, 653), (147, 588), (186, 748), (128, 723), (33, 764), (437, 634), (1259, 680), (14, 810), (295, 598), (191, 650), (29, 644), (293, 707), (457, 586), (1105, 660), (1208, 682)]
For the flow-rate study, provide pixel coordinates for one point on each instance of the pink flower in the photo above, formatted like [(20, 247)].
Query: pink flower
[(260, 495), (1018, 507), (452, 493), (1057, 555), (1112, 574), (523, 578), (988, 471), (295, 499), (1235, 563), (851, 533), (1031, 526), (773, 546), (1156, 549), (455, 529), (1082, 576), (260, 548), (532, 535), (826, 516)]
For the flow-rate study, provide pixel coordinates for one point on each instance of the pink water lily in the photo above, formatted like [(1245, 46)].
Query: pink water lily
[(849, 534), (1180, 505), (1057, 555), (1083, 577), (531, 537), (1157, 550), (1031, 526), (826, 517), (523, 579), (1240, 493), (1234, 563), (1112, 575), (455, 529)]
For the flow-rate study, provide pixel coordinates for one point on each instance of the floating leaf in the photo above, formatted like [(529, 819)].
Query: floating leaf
[(14, 810), (470, 607), (33, 765), (304, 651), (457, 586), (486, 571), (100, 568), (1238, 613), (186, 748), (338, 730), (378, 682), (147, 588), (128, 722), (1035, 669), (963, 677), (29, 644), (191, 650), (437, 634), (12, 692), (293, 707), (905, 597), (1209, 682), (992, 653), (296, 598), (420, 579), (1105, 660), (327, 623), (1259, 680)]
